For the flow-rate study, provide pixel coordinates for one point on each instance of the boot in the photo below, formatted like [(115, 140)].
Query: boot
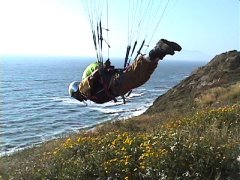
[(173, 45), (158, 53), (162, 48)]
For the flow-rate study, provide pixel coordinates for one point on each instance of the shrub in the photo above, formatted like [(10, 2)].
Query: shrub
[(203, 146)]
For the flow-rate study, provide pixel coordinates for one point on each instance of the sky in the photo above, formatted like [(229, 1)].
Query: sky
[(61, 27)]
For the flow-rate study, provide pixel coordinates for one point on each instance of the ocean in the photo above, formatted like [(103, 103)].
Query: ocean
[(36, 107)]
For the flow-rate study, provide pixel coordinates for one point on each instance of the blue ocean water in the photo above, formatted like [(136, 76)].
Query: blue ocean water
[(35, 106)]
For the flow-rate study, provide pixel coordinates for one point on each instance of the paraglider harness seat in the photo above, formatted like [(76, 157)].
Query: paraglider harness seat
[(101, 81)]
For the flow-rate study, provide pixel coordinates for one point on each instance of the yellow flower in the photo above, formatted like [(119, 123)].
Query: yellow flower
[(55, 152), (114, 142), (79, 139), (128, 141), (113, 160), (146, 154), (123, 148)]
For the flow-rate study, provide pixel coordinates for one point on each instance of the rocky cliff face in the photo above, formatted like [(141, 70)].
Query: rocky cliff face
[(205, 86)]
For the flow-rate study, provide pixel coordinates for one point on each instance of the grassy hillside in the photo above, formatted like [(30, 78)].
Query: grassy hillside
[(204, 145)]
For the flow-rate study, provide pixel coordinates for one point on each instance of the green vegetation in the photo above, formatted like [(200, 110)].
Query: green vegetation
[(203, 145)]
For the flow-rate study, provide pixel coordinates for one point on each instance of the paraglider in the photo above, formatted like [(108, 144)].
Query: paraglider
[(102, 82)]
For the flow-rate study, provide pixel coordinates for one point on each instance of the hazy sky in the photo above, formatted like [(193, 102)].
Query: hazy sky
[(60, 27)]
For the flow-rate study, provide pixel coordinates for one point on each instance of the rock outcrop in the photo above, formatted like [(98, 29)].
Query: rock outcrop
[(220, 74)]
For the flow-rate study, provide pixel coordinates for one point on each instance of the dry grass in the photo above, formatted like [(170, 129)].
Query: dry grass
[(232, 93), (219, 95)]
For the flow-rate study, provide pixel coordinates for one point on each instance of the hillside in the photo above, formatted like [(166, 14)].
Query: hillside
[(215, 84)]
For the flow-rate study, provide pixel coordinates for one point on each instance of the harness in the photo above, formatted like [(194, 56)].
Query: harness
[(100, 92)]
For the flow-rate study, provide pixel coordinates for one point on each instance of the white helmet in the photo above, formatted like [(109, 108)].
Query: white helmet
[(73, 88)]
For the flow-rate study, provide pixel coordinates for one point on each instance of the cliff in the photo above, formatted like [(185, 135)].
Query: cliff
[(214, 84)]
